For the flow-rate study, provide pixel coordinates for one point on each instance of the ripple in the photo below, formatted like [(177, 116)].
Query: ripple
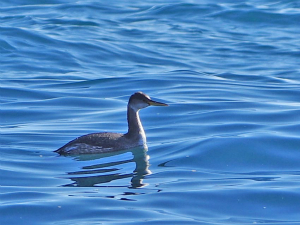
[(226, 148)]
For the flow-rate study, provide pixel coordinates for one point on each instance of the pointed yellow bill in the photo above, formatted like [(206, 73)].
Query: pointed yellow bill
[(155, 103)]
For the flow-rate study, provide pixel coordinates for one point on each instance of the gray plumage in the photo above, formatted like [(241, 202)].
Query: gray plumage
[(108, 142)]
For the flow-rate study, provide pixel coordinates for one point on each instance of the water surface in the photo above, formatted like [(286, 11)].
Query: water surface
[(226, 150)]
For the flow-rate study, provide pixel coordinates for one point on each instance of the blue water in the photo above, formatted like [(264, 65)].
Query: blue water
[(226, 150)]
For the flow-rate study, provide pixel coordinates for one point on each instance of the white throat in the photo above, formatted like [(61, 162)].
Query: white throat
[(138, 125)]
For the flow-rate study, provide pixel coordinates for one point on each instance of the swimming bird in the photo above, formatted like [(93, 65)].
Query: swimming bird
[(109, 142)]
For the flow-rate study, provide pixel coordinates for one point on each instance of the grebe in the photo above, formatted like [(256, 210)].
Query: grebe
[(108, 142)]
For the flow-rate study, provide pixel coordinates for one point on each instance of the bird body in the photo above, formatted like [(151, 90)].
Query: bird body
[(109, 142)]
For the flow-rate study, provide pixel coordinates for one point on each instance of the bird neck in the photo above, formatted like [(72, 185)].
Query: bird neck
[(135, 128)]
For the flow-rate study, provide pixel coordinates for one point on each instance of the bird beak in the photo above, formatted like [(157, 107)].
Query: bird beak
[(155, 103)]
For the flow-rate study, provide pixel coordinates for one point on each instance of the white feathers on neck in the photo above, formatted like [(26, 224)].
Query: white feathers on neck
[(137, 106)]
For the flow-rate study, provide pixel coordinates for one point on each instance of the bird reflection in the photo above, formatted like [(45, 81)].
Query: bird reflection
[(100, 174)]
